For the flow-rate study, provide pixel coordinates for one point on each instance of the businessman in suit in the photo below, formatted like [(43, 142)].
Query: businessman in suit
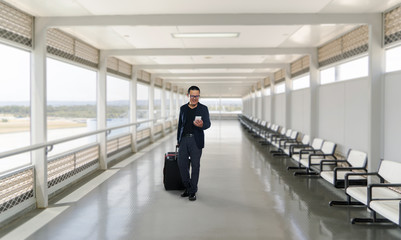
[(193, 119)]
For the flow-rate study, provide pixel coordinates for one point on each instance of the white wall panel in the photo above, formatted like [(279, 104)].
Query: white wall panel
[(259, 107), (279, 109), (343, 114), (392, 116), (300, 110), (357, 114), (267, 108)]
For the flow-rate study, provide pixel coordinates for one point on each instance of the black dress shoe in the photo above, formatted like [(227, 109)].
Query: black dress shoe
[(185, 194), (192, 197)]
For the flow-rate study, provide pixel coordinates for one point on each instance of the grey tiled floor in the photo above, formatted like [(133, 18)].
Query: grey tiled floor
[(244, 193)]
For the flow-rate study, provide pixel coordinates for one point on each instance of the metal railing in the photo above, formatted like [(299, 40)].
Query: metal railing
[(49, 145), (17, 185)]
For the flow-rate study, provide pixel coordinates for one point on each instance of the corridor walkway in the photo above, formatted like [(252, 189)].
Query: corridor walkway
[(244, 193)]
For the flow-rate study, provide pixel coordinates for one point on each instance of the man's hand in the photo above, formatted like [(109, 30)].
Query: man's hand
[(198, 123)]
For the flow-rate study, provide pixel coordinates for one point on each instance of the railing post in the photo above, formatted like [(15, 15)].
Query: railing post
[(151, 107), (38, 112), (101, 109), (163, 108), (133, 116)]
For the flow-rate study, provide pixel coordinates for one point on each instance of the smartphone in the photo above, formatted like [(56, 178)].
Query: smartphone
[(198, 118)]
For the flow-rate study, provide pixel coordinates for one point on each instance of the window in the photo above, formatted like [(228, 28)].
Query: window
[(71, 104), (157, 105), (353, 69), (267, 91), (176, 105), (14, 105), (393, 59), (280, 88), (142, 111), (117, 105), (350, 70), (223, 106), (167, 102), (327, 75), (300, 83)]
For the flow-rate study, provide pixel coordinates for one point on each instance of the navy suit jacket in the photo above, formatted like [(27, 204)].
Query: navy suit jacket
[(201, 110)]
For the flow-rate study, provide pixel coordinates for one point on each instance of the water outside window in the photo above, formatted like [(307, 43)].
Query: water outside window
[(14, 105), (71, 104), (117, 105), (142, 105)]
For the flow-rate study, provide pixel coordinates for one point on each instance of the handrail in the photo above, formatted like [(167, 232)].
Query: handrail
[(67, 139)]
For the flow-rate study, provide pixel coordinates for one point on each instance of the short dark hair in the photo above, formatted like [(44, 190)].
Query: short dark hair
[(193, 88)]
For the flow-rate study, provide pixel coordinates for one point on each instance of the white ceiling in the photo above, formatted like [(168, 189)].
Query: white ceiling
[(133, 36)]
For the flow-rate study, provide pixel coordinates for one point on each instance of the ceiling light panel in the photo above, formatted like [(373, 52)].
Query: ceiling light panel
[(250, 36), (206, 35), (203, 70)]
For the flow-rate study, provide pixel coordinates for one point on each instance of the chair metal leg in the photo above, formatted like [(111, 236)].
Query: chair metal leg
[(345, 203)]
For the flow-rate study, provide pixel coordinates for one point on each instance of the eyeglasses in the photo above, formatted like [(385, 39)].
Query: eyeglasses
[(194, 96)]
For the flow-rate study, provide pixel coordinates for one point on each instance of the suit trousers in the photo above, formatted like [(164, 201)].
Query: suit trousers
[(189, 156)]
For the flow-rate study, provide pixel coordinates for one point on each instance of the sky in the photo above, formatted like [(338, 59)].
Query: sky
[(65, 82)]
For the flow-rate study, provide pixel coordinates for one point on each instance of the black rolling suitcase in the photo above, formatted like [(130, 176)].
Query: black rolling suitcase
[(171, 173)]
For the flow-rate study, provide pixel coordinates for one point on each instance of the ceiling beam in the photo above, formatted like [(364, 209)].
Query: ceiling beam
[(211, 66), (206, 51), (211, 75), (211, 19)]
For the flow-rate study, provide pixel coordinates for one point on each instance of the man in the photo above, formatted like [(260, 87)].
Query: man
[(193, 119)]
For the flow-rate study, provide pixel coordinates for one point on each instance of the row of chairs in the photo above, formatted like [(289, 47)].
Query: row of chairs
[(381, 196)]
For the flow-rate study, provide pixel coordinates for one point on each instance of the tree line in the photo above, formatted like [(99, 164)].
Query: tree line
[(78, 111)]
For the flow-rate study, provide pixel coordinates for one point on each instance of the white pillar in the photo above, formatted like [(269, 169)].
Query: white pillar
[(272, 100), (263, 102), (133, 116), (177, 105), (38, 112), (313, 100), (376, 70), (163, 107), (151, 106), (101, 109), (253, 100), (172, 107), (288, 92)]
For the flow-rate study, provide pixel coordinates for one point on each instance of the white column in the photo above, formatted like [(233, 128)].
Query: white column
[(151, 106), (272, 100), (263, 102), (172, 105), (101, 109), (376, 114), (253, 100), (133, 100), (163, 107), (313, 100), (177, 105), (288, 92), (38, 112)]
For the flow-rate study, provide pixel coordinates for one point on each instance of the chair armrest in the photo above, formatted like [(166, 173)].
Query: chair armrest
[(300, 146), (308, 151), (329, 161), (347, 175), (377, 185), (318, 155)]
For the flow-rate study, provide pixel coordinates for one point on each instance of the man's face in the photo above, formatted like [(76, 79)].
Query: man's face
[(193, 97)]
